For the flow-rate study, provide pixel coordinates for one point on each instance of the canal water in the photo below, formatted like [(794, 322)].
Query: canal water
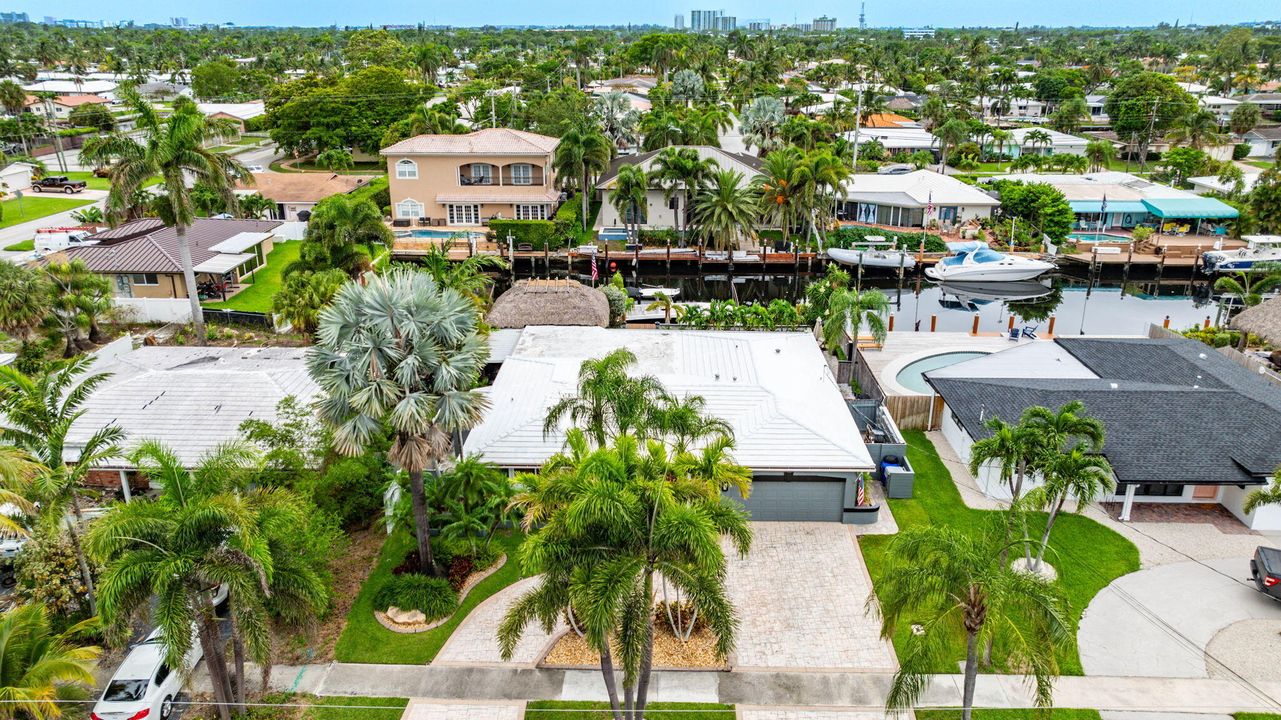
[(1107, 306)]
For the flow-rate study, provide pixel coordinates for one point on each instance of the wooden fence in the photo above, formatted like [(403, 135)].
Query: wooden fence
[(910, 412)]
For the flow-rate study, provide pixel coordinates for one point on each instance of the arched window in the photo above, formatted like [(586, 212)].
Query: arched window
[(406, 170), (409, 208)]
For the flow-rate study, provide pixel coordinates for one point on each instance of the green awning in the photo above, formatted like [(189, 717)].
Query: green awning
[(1114, 206), (1195, 208)]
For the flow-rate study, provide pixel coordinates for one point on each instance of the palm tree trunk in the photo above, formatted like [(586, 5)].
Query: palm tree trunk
[(238, 661), (214, 662), (81, 560), (971, 675), (1045, 537), (584, 191), (422, 524), (611, 683), (647, 654), (189, 278)]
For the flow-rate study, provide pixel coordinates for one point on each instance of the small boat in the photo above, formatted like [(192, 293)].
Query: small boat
[(974, 261), (1261, 249), (675, 251), (873, 257), (650, 292)]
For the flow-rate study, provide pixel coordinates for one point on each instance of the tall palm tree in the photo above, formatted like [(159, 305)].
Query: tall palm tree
[(1062, 429), (1001, 142), (726, 210), (583, 152), (1100, 153), (782, 186), (174, 550), (609, 401), (615, 517), (1078, 473), (1038, 139), (683, 170), (1197, 128), (846, 312), (173, 148), (949, 135), (24, 301), (338, 226), (38, 667), (824, 173), (630, 197), (404, 353), (39, 414), (948, 583)]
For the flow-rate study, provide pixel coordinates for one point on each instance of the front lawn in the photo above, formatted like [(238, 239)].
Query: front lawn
[(1025, 714), (1260, 164), (1086, 554), (94, 182), (33, 207), (297, 706), (589, 710), (365, 640), (22, 246), (265, 283)]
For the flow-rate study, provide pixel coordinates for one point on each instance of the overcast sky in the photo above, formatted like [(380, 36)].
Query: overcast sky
[(940, 13)]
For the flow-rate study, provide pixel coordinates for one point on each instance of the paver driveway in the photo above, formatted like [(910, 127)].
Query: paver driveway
[(801, 594), (475, 641)]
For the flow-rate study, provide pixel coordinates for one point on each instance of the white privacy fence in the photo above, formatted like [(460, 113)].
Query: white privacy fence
[(153, 310)]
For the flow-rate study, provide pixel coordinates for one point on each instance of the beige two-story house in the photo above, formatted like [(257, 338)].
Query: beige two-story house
[(468, 179)]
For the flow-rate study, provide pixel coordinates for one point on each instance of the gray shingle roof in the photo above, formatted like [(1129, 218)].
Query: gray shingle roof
[(1179, 413)]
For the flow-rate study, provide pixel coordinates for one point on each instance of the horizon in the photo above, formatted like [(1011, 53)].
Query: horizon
[(562, 13)]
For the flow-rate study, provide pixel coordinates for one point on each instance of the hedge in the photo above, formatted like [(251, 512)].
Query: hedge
[(433, 596), (537, 233), (848, 235)]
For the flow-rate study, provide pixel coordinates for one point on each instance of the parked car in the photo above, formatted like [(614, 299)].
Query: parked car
[(58, 183), (144, 686), (1265, 569), (895, 169), (255, 168)]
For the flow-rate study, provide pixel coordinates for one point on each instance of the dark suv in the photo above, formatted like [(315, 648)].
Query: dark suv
[(1265, 568)]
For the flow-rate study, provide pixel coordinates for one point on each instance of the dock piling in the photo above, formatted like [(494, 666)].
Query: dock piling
[(934, 322), (974, 328), (1051, 330)]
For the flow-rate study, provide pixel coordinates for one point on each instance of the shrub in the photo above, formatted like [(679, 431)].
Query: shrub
[(47, 572), (258, 124), (846, 236), (1240, 151), (351, 489), (433, 596), (617, 304), (537, 233), (1142, 233), (660, 237)]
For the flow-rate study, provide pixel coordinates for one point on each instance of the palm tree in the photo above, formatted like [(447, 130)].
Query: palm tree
[(1013, 448), (1077, 473), (41, 668), (664, 302), (949, 135), (404, 353), (781, 186), (1069, 114), (174, 550), (1001, 142), (726, 210), (12, 97), (24, 302), (846, 311), (629, 197), (1063, 429), (1251, 286), (823, 173), (760, 121), (1197, 128), (1270, 495), (609, 401), (1100, 153), (583, 151), (173, 148), (336, 160), (949, 583), (39, 413), (255, 206), (338, 226), (469, 276), (682, 169), (614, 518), (1038, 139)]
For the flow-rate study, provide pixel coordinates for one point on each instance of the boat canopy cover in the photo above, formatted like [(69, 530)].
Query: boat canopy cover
[(1114, 206), (1193, 208), (966, 247)]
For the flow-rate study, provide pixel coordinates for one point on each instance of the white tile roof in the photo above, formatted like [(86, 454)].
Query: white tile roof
[(915, 188), (1113, 184), (1057, 139), (191, 399), (241, 111), (489, 141), (774, 388)]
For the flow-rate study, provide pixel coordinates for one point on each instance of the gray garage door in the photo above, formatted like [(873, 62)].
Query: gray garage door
[(801, 499)]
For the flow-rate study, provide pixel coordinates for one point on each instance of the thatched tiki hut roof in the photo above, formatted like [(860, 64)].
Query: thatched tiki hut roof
[(549, 302), (1263, 320)]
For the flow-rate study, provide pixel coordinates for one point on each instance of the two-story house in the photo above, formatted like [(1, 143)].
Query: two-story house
[(466, 179)]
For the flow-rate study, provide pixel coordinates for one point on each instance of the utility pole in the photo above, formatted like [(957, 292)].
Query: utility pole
[(1143, 161), (858, 124), (57, 139), (493, 118)]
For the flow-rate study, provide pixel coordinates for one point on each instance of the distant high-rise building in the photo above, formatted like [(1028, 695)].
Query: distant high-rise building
[(757, 24), (705, 20), (8, 18), (728, 23), (679, 23), (178, 22), (824, 24), (918, 33)]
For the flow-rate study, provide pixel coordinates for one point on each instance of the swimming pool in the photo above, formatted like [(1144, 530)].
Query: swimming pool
[(911, 376), (1097, 237), (442, 234)]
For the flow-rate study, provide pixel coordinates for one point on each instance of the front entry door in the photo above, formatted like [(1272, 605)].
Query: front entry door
[(1205, 492)]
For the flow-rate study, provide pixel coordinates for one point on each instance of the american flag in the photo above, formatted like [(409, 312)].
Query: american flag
[(862, 496), (929, 205), (595, 272), (1103, 209)]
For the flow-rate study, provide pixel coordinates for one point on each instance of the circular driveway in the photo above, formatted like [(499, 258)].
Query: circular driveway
[(1158, 622)]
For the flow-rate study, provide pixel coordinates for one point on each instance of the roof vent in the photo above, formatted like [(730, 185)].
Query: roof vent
[(1114, 386)]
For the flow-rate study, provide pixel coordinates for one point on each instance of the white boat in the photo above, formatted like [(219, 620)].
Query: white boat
[(981, 293), (649, 293), (976, 262), (873, 257), (1261, 249), (676, 251)]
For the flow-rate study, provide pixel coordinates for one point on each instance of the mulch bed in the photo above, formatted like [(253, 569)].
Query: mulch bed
[(699, 652)]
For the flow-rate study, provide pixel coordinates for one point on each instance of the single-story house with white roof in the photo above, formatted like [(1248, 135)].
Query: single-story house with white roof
[(906, 139), (1264, 141), (1269, 102), (1060, 143), (1211, 183), (1113, 199), (792, 427), (192, 399), (236, 112), (904, 200), (659, 212), (1221, 107)]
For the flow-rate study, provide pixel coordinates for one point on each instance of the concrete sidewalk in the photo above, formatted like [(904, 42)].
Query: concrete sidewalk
[(797, 689)]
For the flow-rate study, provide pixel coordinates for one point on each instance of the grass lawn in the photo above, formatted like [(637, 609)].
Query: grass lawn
[(1265, 165), (588, 710), (365, 640), (1054, 714), (1256, 716), (354, 708), (1087, 555), (265, 283), (97, 183), (34, 207), (24, 246)]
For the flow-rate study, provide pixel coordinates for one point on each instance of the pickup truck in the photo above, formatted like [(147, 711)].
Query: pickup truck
[(58, 183)]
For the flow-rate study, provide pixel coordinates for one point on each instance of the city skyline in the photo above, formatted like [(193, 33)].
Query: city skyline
[(937, 13)]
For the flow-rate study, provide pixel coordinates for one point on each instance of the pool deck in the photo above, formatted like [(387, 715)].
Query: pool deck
[(903, 348)]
